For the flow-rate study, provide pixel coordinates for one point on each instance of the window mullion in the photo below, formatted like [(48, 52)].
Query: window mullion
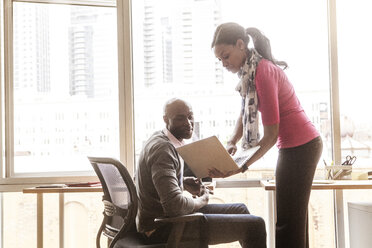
[(8, 78), (126, 107), (335, 117)]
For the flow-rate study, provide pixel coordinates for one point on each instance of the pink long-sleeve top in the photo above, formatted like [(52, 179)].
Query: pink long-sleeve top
[(278, 104)]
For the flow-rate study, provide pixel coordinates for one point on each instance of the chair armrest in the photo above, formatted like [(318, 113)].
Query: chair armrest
[(182, 218)]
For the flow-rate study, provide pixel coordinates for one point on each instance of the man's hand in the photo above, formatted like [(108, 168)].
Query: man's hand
[(215, 173), (203, 198), (192, 185), (204, 195)]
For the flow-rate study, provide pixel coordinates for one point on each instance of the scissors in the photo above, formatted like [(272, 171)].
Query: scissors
[(349, 160)]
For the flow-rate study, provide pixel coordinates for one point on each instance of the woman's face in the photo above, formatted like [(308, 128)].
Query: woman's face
[(231, 56)]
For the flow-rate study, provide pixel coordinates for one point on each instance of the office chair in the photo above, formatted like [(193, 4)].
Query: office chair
[(120, 209)]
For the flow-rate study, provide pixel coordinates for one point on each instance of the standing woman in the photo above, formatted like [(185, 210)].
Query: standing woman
[(264, 87)]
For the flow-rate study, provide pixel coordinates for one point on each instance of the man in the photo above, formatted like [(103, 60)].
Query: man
[(160, 184)]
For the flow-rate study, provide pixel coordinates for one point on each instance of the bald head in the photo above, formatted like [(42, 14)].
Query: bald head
[(175, 105), (179, 118)]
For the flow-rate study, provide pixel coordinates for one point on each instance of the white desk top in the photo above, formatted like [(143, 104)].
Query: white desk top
[(328, 185)]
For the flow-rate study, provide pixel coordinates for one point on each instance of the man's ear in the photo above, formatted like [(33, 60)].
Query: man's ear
[(166, 120)]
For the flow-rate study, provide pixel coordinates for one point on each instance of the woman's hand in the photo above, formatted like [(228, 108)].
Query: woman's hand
[(231, 148)]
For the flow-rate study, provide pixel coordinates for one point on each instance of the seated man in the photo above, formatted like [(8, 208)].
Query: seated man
[(160, 182)]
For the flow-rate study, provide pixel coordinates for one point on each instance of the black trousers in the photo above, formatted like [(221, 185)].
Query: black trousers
[(224, 223), (294, 175)]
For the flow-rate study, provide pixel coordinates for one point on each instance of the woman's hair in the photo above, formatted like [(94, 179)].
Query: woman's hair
[(229, 33)]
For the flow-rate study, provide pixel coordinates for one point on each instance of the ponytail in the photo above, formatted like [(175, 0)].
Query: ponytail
[(262, 45)]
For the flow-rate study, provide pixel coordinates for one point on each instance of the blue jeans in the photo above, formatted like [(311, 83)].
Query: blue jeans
[(223, 223)]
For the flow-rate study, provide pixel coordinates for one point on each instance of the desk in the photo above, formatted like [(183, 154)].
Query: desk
[(39, 206), (337, 186)]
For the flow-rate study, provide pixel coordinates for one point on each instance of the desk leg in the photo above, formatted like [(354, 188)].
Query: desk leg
[(270, 228), (39, 221), (61, 220), (339, 218)]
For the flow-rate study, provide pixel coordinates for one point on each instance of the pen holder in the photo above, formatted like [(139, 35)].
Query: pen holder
[(336, 172)]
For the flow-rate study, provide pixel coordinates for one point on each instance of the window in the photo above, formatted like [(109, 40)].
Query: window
[(65, 86), (353, 51), (303, 44), (203, 82)]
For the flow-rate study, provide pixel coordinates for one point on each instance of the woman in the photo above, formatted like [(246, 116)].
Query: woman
[(264, 87)]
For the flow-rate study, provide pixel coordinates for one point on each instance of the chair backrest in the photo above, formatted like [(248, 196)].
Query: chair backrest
[(121, 202), (119, 195)]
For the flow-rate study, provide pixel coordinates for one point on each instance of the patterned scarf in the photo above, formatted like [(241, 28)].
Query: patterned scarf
[(247, 89)]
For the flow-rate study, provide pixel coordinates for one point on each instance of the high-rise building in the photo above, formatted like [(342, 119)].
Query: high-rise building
[(176, 44), (167, 50), (152, 43), (80, 51), (81, 61), (90, 61), (31, 50)]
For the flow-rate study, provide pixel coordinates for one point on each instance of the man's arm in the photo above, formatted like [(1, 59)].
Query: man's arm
[(164, 177)]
